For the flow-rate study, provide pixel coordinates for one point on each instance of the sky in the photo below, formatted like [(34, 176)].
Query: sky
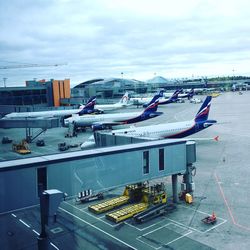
[(134, 39)]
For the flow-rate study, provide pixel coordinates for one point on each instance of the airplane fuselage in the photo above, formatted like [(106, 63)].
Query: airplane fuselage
[(110, 107), (89, 120), (169, 130), (49, 113)]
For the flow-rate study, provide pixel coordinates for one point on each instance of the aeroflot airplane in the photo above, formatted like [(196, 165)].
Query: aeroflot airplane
[(188, 95), (98, 122), (176, 129), (121, 104), (145, 100), (171, 99), (87, 109)]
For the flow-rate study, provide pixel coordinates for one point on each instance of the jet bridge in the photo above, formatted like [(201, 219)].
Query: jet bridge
[(44, 123), (100, 169), (29, 123)]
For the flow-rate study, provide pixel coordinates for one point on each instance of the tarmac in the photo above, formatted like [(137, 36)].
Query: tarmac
[(221, 186)]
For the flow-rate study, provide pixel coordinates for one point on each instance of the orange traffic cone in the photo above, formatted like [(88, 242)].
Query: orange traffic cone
[(213, 215)]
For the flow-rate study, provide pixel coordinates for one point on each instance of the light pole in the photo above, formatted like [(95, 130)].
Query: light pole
[(4, 81)]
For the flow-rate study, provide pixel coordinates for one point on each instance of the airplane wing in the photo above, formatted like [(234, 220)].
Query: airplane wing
[(216, 138), (111, 123), (90, 142)]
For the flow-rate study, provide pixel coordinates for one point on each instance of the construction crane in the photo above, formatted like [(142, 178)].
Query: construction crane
[(31, 65)]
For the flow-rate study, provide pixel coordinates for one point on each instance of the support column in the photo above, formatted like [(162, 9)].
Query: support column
[(174, 188), (188, 180)]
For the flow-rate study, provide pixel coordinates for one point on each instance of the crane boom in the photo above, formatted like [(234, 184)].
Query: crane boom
[(31, 66)]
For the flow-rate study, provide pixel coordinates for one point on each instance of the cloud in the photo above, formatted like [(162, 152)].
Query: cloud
[(102, 38)]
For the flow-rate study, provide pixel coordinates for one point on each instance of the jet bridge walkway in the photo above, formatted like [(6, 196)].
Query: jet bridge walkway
[(44, 123)]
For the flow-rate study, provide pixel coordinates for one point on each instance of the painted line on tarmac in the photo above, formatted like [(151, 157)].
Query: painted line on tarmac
[(53, 245), (199, 211), (184, 235), (138, 238), (19, 209), (97, 228), (156, 229), (180, 237), (165, 244), (197, 230), (24, 223), (181, 224), (215, 226), (143, 228), (227, 205), (93, 216), (35, 232)]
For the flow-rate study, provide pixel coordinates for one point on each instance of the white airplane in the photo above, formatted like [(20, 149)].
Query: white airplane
[(176, 129), (87, 109), (104, 121), (167, 130), (145, 100), (189, 93), (140, 100), (123, 103)]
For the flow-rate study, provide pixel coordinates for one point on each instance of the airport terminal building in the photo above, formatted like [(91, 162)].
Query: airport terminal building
[(35, 95)]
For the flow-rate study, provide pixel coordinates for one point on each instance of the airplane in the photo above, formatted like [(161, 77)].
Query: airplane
[(176, 129), (87, 109), (145, 100), (171, 99), (104, 121), (123, 103), (188, 95), (140, 100)]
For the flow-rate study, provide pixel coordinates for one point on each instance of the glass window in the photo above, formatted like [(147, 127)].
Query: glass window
[(145, 162), (161, 159)]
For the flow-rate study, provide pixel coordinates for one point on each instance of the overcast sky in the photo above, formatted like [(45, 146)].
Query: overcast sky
[(141, 38)]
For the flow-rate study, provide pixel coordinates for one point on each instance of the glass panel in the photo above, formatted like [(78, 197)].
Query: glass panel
[(161, 159), (145, 162)]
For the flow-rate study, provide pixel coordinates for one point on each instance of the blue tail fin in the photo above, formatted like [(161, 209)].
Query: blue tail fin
[(191, 94), (154, 99), (203, 112), (174, 97), (89, 107), (153, 105)]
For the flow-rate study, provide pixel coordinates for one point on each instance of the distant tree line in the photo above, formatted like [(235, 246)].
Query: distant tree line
[(219, 78), (228, 78)]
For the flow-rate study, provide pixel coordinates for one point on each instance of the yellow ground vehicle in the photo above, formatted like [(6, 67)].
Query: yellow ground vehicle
[(147, 196), (139, 195), (131, 193), (21, 148), (215, 94)]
